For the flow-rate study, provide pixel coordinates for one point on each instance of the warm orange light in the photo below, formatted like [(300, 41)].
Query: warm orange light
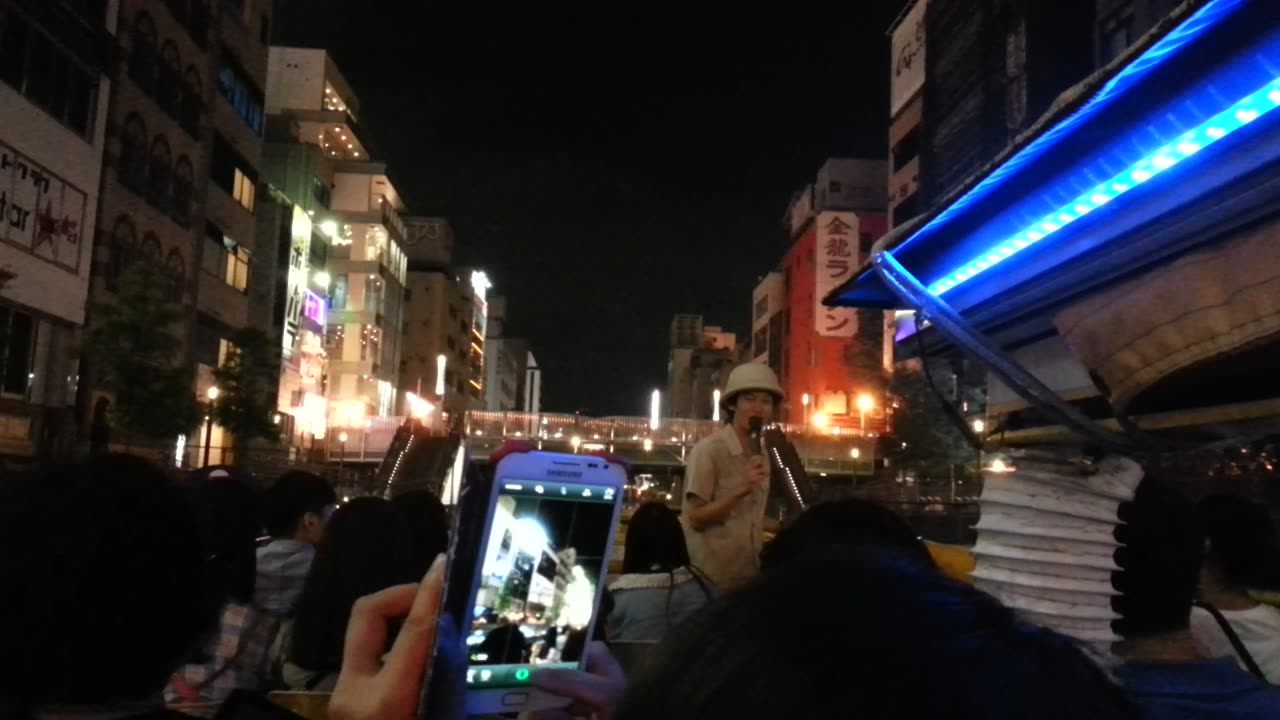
[(819, 420), (865, 403)]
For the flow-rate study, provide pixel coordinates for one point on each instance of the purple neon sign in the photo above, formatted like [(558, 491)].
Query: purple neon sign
[(313, 308)]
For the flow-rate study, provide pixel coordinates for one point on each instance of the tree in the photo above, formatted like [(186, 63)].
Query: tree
[(132, 344), (934, 446), (248, 382)]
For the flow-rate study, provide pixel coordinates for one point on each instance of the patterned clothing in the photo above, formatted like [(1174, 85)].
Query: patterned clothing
[(238, 658), (282, 569), (729, 553)]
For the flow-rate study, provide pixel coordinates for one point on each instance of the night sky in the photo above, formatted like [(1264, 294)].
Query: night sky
[(611, 164)]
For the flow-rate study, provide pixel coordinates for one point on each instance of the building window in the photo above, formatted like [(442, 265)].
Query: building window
[(149, 250), (192, 101), (123, 248), (183, 191), (762, 307), (225, 259), (235, 85), (334, 337), (159, 174), (232, 173), (142, 53), (176, 269), (17, 343), (338, 300), (169, 80), (321, 192), (132, 167), (1115, 35), (906, 149), (264, 30), (46, 73)]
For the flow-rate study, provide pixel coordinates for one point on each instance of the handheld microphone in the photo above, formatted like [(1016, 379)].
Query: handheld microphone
[(755, 428)]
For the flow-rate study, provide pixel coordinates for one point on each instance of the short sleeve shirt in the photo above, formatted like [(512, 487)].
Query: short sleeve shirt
[(729, 553)]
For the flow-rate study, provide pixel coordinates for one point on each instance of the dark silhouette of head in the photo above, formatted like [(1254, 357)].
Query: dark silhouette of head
[(295, 504), (1159, 561), (104, 585), (874, 636), (504, 645), (850, 523), (655, 541), (428, 525), (228, 512), (363, 551), (1242, 551)]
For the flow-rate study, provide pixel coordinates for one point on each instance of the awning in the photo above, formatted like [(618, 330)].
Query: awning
[(1155, 155)]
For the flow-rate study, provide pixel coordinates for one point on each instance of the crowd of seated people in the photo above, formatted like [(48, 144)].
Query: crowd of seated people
[(128, 595)]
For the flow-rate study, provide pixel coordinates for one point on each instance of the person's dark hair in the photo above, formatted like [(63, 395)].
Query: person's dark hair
[(873, 636), (655, 541), (848, 523), (1159, 561), (428, 525), (228, 511), (103, 590), (1242, 546), (655, 544), (291, 497), (362, 553)]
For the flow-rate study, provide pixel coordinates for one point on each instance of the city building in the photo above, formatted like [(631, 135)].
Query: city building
[(532, 386), (51, 155), (906, 111), (504, 362), (1120, 23), (474, 385), (180, 174), (295, 230), (367, 266), (699, 361), (832, 225), (769, 322)]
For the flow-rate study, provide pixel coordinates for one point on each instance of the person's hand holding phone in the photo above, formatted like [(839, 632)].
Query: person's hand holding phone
[(595, 692), (374, 686)]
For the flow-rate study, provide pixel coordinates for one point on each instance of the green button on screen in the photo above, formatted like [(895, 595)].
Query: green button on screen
[(522, 674)]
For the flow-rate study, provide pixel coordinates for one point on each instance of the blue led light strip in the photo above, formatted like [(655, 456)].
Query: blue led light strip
[(1243, 112)]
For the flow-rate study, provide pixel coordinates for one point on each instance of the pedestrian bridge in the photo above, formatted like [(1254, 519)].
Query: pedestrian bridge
[(636, 439)]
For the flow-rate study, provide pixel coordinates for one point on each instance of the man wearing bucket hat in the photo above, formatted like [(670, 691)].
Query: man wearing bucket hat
[(727, 482)]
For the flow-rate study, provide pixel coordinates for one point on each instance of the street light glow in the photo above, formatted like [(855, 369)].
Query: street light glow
[(715, 405), (330, 228), (655, 410), (805, 400), (441, 363), (865, 403), (855, 453), (212, 393), (979, 426), (342, 437), (819, 420)]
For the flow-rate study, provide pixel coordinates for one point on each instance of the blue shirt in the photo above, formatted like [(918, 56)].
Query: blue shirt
[(1199, 690)]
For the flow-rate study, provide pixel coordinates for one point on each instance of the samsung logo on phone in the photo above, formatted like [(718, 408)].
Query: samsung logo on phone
[(565, 473)]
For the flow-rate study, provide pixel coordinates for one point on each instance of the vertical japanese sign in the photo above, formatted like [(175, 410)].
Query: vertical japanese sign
[(907, 63), (39, 212), (835, 260)]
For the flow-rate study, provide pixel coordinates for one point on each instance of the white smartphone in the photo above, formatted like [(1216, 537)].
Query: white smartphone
[(527, 571)]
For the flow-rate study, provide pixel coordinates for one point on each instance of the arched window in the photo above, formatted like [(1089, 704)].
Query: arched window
[(192, 101), (142, 52), (124, 244), (176, 269), (160, 173), (150, 249), (183, 177), (169, 86), (132, 168)]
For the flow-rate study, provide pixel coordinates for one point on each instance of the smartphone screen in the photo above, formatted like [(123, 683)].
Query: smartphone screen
[(541, 567)]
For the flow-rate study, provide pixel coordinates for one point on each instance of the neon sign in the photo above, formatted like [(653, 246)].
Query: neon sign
[(313, 308)]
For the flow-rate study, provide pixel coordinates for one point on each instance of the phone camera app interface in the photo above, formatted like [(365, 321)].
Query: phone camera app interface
[(542, 564)]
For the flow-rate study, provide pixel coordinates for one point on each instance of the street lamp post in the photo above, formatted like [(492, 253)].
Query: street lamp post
[(212, 394), (342, 452)]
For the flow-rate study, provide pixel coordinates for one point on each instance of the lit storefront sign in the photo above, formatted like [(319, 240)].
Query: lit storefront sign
[(313, 308)]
